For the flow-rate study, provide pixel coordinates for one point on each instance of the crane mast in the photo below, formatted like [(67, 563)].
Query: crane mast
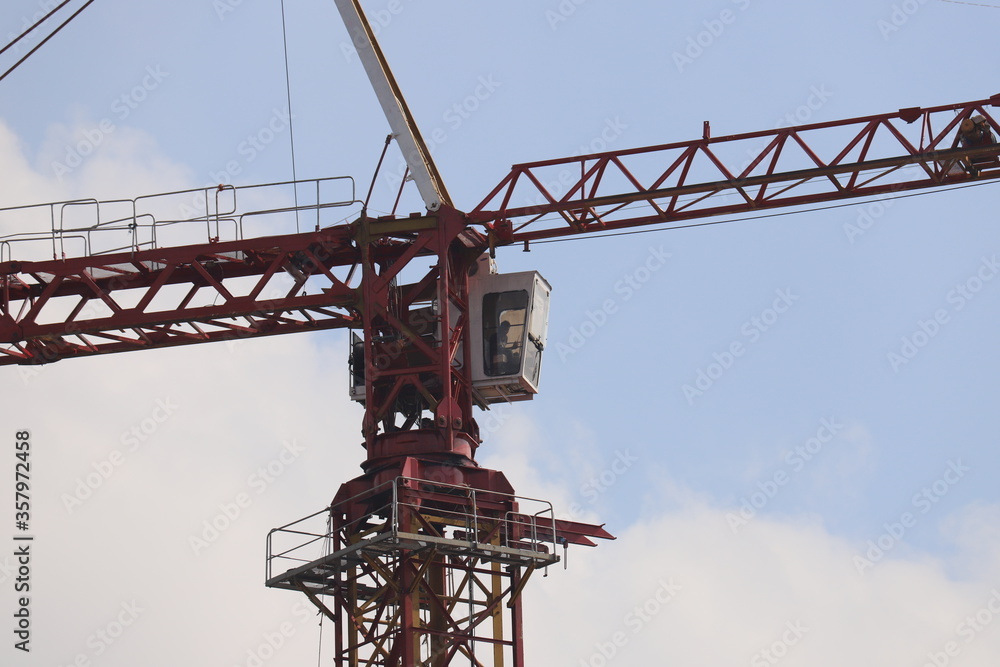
[(422, 559)]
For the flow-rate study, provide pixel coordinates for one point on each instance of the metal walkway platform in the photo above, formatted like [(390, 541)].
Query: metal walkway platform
[(402, 520)]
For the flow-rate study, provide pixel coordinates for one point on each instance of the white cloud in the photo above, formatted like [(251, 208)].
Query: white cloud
[(206, 419), (741, 594), (125, 163), (21, 183)]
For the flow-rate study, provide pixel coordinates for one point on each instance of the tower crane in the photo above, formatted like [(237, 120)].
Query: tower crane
[(422, 559)]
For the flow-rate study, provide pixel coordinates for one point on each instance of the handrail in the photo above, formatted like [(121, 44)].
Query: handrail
[(115, 225), (519, 531)]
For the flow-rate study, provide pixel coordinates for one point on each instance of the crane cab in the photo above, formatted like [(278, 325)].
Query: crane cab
[(509, 322)]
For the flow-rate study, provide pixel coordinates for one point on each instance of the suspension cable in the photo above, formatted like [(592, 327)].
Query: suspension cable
[(378, 167), (47, 38), (288, 97), (778, 214), (319, 650), (974, 4), (36, 24)]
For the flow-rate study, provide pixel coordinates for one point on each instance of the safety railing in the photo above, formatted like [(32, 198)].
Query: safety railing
[(311, 538), (462, 519), (86, 227)]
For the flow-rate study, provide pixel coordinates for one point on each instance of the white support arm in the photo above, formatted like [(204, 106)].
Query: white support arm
[(404, 128)]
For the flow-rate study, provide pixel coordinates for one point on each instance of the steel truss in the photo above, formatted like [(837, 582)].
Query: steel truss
[(739, 174), (68, 307), (422, 572)]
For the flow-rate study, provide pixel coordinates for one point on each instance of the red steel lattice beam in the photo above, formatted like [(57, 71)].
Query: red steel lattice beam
[(707, 177), (739, 174), (55, 309)]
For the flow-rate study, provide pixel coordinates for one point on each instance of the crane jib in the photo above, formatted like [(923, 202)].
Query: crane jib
[(712, 176)]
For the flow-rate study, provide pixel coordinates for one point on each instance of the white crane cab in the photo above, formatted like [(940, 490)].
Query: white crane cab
[(508, 321), (509, 315)]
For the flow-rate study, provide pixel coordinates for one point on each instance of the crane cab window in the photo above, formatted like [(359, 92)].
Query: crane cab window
[(504, 316), (356, 363)]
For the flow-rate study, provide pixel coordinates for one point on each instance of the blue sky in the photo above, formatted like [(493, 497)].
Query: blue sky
[(613, 437)]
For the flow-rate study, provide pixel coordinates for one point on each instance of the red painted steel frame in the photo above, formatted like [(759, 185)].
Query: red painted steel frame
[(33, 293), (712, 176), (401, 363), (417, 364), (586, 194), (407, 583)]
